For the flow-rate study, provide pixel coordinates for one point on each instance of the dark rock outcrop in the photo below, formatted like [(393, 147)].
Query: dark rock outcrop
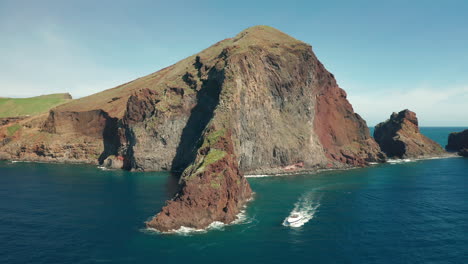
[(8, 120), (458, 142), (463, 152), (399, 137), (113, 162)]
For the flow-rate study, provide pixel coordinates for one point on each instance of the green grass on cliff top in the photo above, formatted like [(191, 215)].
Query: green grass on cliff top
[(10, 107)]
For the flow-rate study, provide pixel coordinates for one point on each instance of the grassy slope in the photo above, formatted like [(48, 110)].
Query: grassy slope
[(10, 107)]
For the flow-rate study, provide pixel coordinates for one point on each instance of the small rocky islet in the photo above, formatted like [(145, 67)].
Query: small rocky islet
[(399, 137), (258, 103), (458, 142)]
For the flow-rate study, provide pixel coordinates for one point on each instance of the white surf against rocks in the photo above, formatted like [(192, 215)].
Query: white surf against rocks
[(395, 161), (304, 209), (241, 218)]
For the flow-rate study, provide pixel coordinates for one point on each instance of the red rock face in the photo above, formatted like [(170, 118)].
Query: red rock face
[(213, 188), (399, 137), (90, 123), (140, 106), (343, 134)]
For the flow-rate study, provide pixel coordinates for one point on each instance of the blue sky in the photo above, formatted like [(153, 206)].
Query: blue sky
[(387, 55)]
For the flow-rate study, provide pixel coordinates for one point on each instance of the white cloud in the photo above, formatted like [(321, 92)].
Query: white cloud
[(434, 107), (42, 61)]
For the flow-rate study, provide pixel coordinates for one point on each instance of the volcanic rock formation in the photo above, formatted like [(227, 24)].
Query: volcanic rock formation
[(399, 137), (458, 142), (213, 188), (260, 102)]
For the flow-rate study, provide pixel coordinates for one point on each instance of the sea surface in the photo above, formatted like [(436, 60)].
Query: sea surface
[(410, 212)]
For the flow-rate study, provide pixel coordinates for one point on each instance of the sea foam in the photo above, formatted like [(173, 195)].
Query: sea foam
[(395, 161), (241, 218)]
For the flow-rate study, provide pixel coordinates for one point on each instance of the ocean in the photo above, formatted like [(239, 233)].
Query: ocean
[(411, 212)]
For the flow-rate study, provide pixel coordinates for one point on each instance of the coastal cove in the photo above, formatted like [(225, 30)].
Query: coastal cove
[(387, 213)]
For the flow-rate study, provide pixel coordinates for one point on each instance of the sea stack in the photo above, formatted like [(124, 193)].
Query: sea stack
[(458, 142), (399, 137), (258, 103)]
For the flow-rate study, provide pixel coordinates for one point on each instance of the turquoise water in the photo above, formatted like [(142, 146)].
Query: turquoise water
[(415, 212)]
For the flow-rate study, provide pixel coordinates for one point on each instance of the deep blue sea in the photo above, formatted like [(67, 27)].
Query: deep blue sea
[(413, 212)]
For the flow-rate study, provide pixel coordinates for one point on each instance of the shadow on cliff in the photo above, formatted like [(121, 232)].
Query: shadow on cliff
[(200, 116), (110, 137)]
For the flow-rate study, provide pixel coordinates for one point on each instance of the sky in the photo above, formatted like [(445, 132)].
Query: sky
[(387, 55)]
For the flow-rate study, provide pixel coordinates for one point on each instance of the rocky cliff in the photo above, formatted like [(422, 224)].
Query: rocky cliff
[(212, 187), (458, 142), (400, 137), (260, 102)]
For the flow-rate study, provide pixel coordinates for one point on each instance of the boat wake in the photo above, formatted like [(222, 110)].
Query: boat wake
[(304, 210)]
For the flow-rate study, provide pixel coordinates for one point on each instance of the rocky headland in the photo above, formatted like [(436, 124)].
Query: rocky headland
[(458, 142), (258, 103), (399, 137)]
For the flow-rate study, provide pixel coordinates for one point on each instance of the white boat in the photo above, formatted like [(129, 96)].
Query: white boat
[(294, 218)]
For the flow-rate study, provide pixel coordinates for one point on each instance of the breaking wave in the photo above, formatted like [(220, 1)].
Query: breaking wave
[(446, 156), (395, 161), (241, 218), (259, 176), (305, 208)]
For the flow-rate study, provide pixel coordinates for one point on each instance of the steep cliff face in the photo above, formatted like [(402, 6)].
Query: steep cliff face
[(343, 134), (260, 102), (95, 124), (272, 105), (399, 137), (153, 126), (35, 139), (458, 142)]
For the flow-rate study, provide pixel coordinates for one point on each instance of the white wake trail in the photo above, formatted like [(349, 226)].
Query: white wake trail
[(305, 207)]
